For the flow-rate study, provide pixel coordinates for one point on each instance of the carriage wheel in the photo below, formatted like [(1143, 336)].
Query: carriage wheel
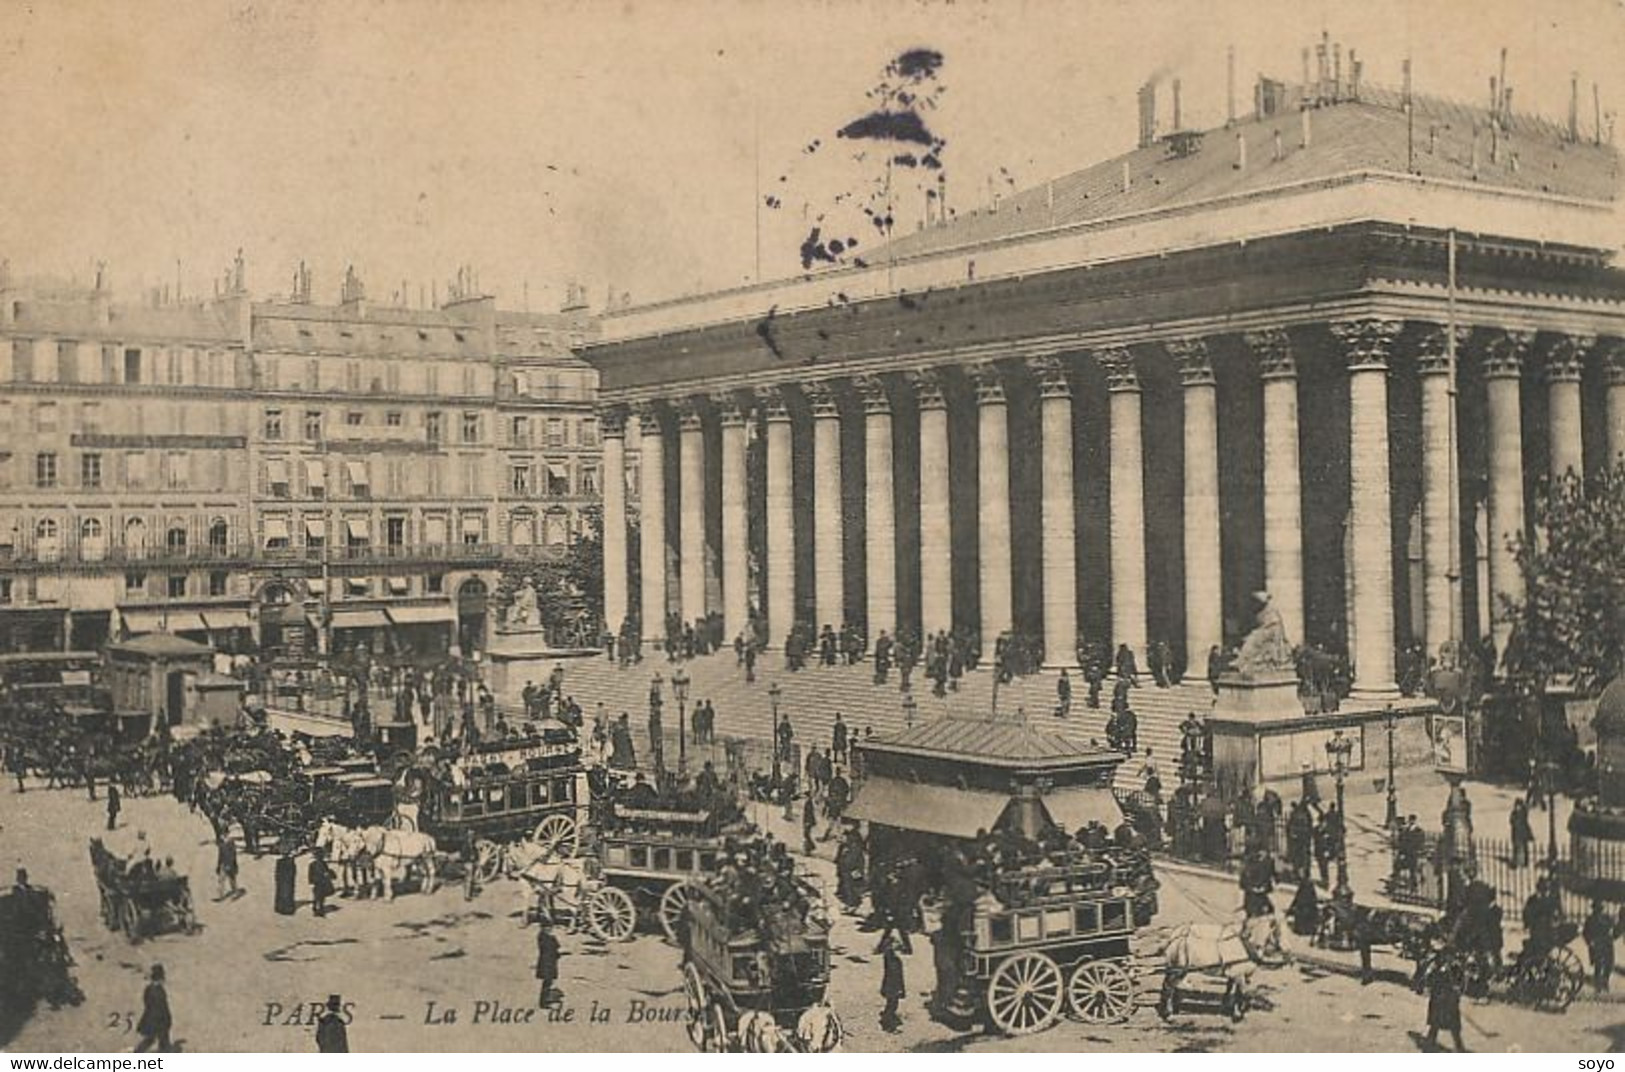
[(611, 915), (185, 911), (557, 835), (717, 1038), (1100, 992), (488, 860), (1558, 978), (130, 921), (1024, 994), (673, 904), (109, 913), (694, 991)]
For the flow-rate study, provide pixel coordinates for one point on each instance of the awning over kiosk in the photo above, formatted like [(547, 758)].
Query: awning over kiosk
[(359, 618), (226, 619), (425, 615), (931, 809), (1074, 808)]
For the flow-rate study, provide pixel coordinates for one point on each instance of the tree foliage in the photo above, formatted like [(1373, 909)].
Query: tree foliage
[(1568, 624), (568, 585)]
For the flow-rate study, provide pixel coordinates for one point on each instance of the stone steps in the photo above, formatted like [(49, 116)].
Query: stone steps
[(811, 698)]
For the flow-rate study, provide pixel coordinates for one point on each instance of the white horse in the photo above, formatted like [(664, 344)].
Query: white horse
[(562, 886), (345, 848), (393, 852), (1229, 950), (759, 1032)]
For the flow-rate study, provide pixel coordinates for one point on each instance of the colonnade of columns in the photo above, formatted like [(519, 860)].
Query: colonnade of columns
[(1366, 347)]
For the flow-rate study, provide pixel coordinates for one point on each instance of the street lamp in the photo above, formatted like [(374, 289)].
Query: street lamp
[(1392, 819), (909, 709), (773, 694), (657, 746), (1338, 750), (1550, 770), (679, 689)]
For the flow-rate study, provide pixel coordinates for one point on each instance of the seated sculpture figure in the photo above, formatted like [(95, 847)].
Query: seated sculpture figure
[(523, 610), (1266, 649)]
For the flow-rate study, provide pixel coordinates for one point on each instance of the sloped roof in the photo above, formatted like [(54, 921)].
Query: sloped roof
[(1609, 721), (1000, 741), (1371, 134)]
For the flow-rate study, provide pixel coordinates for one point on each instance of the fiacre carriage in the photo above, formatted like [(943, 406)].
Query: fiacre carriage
[(139, 900), (38, 965), (756, 983)]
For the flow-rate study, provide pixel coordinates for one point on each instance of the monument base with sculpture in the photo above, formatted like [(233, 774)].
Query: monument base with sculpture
[(1262, 734), (519, 649)]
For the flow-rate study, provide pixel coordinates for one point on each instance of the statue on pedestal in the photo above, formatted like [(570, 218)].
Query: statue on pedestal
[(1266, 650), (523, 610)]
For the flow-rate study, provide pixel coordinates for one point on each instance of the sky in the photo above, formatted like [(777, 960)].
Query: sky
[(626, 146)]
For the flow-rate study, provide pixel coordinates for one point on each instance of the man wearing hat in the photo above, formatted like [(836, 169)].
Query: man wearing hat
[(547, 960), (892, 987), (155, 1022), (331, 1034)]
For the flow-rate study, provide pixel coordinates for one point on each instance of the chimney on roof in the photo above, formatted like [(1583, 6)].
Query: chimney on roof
[(1503, 82), (1241, 151), (1178, 122), (1126, 181), (1506, 106), (1475, 150), (1148, 114), (1495, 98), (1355, 66), (1405, 95), (1319, 93), (1495, 143), (1596, 110), (1303, 125), (1574, 106), (1277, 153), (1230, 84), (1337, 72), (1306, 70)]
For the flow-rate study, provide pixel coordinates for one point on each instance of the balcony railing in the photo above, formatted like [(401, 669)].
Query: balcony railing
[(77, 553), (243, 554)]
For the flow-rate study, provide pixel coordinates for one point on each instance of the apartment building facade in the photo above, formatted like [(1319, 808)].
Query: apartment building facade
[(283, 474)]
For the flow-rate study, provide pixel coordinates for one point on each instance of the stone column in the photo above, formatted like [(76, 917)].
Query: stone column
[(994, 574), (1127, 526), (1563, 363), (936, 552), (1366, 344), (829, 575), (1611, 352), (691, 518), (880, 512), (1438, 490), (612, 426), (1059, 542), (1204, 589), (1283, 492), (652, 513), (1503, 367), (780, 535), (735, 520)]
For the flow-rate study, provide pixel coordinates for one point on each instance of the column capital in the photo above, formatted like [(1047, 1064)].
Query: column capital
[(1366, 342), (821, 397), (612, 420), (1050, 372), (872, 391), (1610, 351), (1564, 356), (927, 385), (1504, 353), (733, 407), (1117, 362), (1433, 348), (649, 413), (1195, 364), (774, 407), (690, 412), (989, 384), (1272, 347)]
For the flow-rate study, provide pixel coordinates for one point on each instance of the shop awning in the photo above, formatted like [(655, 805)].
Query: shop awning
[(276, 528), (358, 529), (358, 473), (140, 621), (1074, 808), (359, 618), (315, 473), (398, 585), (316, 528), (154, 620), (929, 809), (473, 526), (557, 472), (426, 615), (226, 619), (277, 471)]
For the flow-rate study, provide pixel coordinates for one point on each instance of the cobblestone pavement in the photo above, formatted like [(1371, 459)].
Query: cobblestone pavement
[(433, 972)]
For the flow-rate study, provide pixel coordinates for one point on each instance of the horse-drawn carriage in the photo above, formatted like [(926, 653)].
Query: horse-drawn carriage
[(139, 898), (755, 974), (35, 954), (654, 859), (1045, 940)]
